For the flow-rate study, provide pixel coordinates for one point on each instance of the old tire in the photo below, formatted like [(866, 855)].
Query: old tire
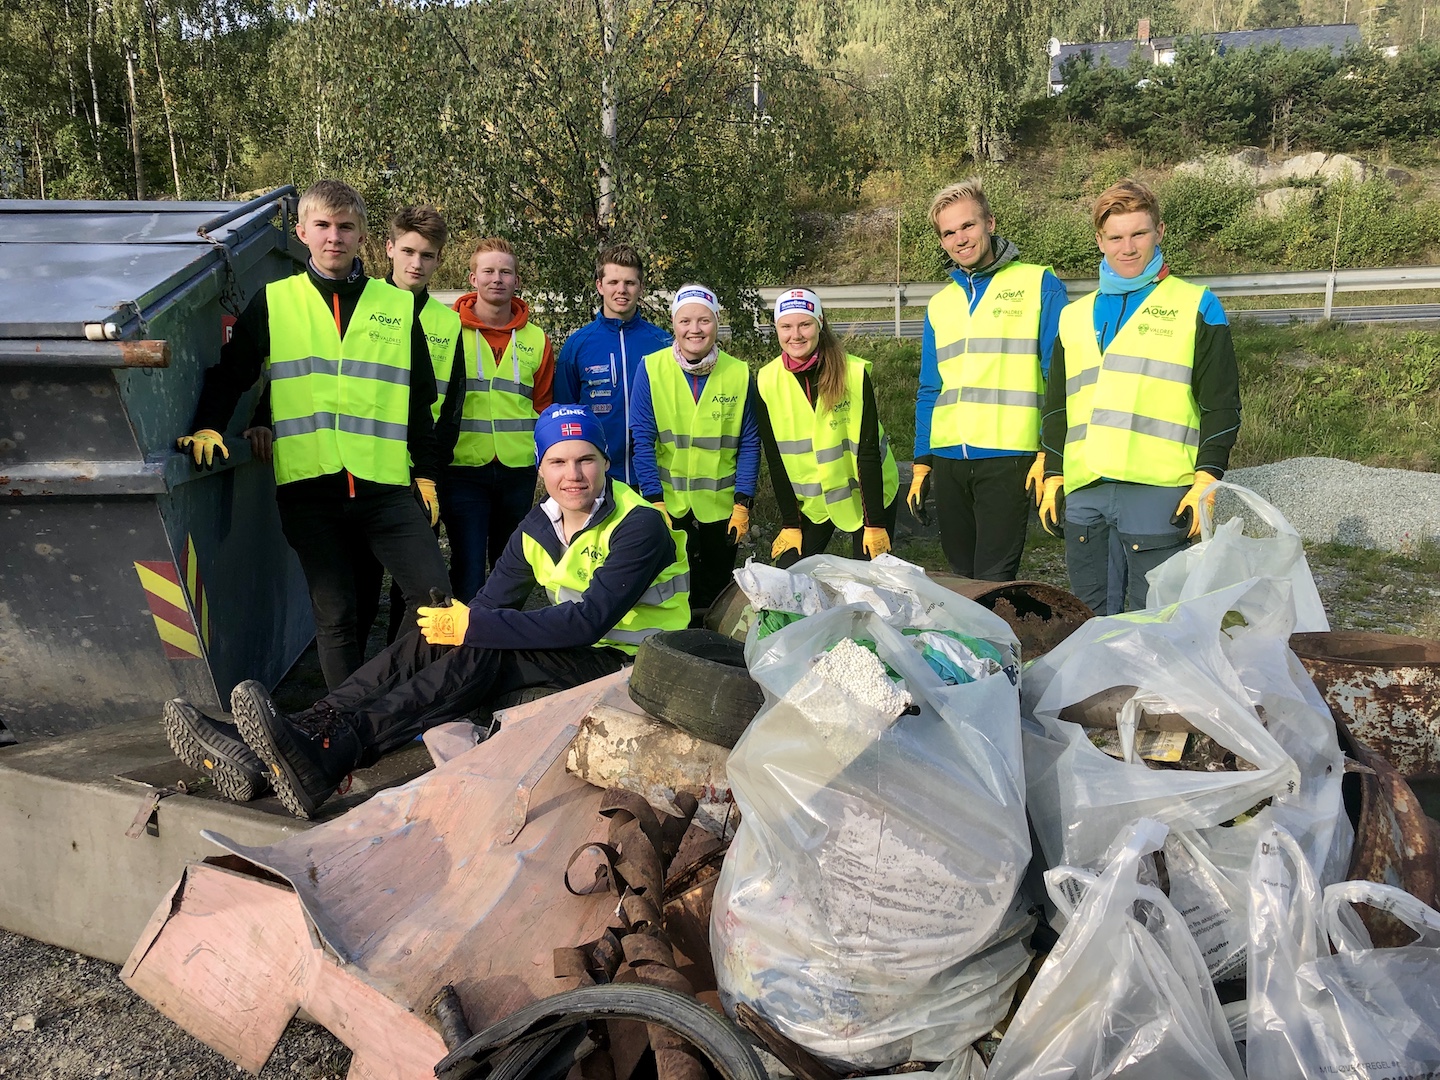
[(697, 681)]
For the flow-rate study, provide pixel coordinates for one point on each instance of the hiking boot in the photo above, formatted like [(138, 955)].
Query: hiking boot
[(214, 749), (308, 755)]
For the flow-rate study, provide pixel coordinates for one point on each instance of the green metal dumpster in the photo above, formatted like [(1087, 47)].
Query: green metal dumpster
[(126, 577)]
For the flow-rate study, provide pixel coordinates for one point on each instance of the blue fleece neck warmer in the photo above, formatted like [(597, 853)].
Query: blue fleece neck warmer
[(1111, 282), (561, 423)]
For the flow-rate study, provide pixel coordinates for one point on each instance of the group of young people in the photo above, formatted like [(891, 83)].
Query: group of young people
[(389, 413)]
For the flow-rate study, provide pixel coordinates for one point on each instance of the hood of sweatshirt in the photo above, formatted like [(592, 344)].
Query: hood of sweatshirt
[(465, 306)]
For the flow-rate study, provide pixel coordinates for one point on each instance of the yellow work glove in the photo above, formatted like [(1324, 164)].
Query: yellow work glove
[(429, 499), (919, 489), (1051, 487), (1190, 504), (1035, 478), (444, 625), (788, 540), (876, 541), (660, 505), (739, 523), (202, 446)]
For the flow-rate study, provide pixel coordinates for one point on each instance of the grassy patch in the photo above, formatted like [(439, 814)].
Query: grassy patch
[(1381, 591), (1370, 395)]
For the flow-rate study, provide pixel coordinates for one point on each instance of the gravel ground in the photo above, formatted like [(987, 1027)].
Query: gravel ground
[(1327, 499), (63, 1016)]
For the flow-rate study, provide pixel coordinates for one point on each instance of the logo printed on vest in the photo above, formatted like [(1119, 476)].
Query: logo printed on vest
[(1010, 294), (1160, 312), (1158, 331), (436, 339), (385, 320)]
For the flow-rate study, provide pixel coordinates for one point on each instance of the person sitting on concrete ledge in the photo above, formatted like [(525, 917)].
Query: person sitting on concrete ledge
[(615, 575)]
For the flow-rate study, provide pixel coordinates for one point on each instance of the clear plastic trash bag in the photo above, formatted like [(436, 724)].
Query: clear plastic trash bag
[(1124, 993), (1363, 1012), (1227, 555), (867, 907)]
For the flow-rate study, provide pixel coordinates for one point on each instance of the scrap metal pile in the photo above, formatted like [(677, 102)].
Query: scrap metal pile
[(850, 889)]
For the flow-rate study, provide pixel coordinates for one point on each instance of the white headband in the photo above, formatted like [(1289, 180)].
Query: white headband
[(694, 294), (798, 300)]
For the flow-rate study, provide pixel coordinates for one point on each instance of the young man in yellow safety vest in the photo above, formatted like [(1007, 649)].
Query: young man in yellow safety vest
[(351, 392), (984, 356), (509, 374), (613, 571), (1141, 412)]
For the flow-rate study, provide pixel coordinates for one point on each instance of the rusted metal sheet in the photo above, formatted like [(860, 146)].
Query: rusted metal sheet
[(1041, 615), (1395, 843), (1385, 689)]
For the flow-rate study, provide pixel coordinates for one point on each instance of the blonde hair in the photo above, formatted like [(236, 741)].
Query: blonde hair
[(972, 188), (493, 243), (331, 196), (1125, 197)]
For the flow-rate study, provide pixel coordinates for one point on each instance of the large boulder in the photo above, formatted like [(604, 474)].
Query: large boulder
[(1342, 167), (1300, 167), (1398, 177), (1276, 203)]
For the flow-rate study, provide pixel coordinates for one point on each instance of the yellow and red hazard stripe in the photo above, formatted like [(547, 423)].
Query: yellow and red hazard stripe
[(178, 604)]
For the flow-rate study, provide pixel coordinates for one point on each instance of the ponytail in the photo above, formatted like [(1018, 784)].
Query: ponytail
[(832, 374)]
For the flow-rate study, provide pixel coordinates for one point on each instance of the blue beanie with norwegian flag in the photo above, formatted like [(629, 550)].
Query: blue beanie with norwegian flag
[(560, 423)]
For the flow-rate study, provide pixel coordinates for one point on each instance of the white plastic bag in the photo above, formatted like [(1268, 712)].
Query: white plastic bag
[(1124, 992), (1079, 797), (1226, 556), (867, 905), (1366, 1013)]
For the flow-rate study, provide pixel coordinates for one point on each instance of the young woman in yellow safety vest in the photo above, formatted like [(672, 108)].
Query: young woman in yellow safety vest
[(697, 446), (829, 458)]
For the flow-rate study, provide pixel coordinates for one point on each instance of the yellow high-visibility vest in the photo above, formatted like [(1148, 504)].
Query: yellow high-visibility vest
[(442, 330), (991, 385), (499, 417), (698, 442), (819, 444), (1131, 414), (665, 605), (340, 404)]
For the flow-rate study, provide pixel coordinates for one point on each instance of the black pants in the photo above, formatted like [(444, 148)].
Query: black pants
[(815, 537), (413, 685), (323, 525), (983, 510), (712, 560)]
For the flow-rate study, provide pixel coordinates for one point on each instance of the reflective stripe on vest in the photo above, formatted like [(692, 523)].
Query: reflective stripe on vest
[(822, 465), (1132, 413), (991, 387), (442, 331), (665, 605), (499, 417), (697, 442), (340, 405)]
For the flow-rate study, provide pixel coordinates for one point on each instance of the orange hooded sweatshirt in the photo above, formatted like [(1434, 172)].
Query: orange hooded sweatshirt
[(499, 340)]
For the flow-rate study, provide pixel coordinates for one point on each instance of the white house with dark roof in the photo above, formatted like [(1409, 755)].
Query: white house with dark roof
[(1336, 37)]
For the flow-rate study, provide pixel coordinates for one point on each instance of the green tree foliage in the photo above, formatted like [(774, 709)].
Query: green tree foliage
[(66, 115), (958, 73), (494, 113), (1268, 97)]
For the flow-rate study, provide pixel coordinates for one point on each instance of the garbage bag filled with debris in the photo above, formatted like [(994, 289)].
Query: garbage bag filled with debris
[(1363, 1012), (867, 906), (1123, 993), (1196, 715)]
